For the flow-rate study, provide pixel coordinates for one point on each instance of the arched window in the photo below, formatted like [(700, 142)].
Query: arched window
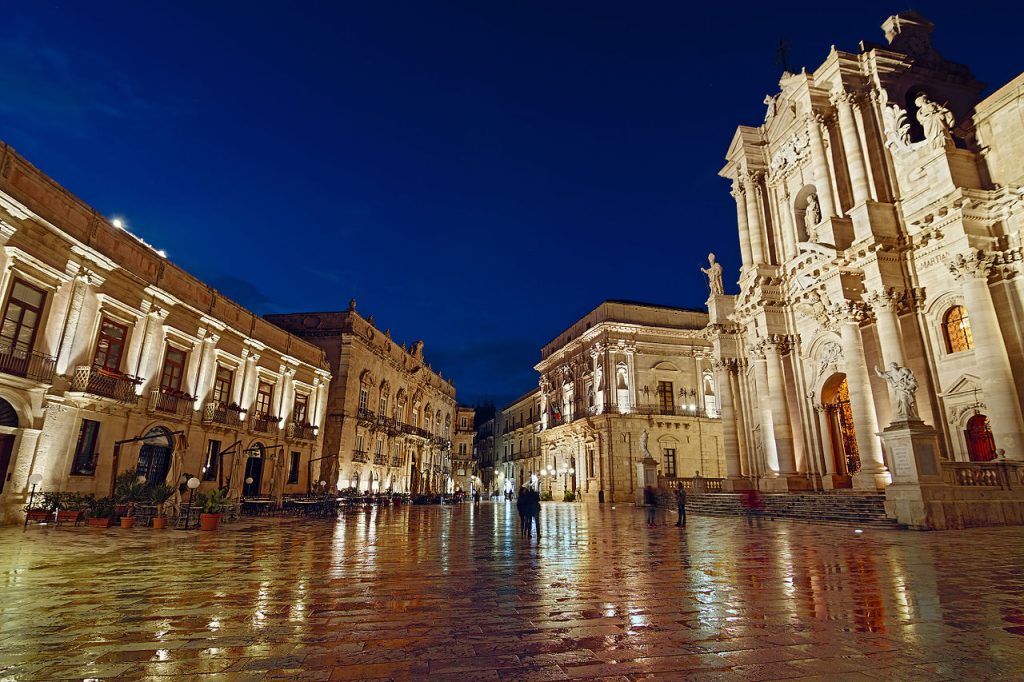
[(957, 330)]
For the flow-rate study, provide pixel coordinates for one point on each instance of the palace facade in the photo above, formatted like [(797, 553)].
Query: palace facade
[(880, 207), (624, 377), (464, 472), (389, 416), (104, 340), (517, 450)]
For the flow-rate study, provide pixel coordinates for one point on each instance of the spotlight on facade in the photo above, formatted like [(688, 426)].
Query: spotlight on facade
[(118, 223), (161, 253)]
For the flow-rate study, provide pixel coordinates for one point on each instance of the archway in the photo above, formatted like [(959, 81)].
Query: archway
[(980, 445), (155, 455), (253, 470), (835, 396), (8, 418)]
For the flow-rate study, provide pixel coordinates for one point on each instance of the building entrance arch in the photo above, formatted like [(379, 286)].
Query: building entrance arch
[(835, 397), (155, 455), (253, 470), (981, 447), (8, 418)]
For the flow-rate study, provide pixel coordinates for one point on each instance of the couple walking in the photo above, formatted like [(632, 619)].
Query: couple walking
[(651, 502), (528, 506)]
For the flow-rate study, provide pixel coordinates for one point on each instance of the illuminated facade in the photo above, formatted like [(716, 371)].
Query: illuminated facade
[(880, 210), (464, 473), (625, 373), (104, 339), (516, 445), (484, 456), (389, 420)]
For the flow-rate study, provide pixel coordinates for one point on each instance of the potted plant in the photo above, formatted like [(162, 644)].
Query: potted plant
[(42, 510), (129, 488), (101, 512), (72, 507), (158, 495), (213, 504)]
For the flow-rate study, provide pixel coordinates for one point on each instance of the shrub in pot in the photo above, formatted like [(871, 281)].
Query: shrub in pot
[(158, 495), (213, 504), (101, 512)]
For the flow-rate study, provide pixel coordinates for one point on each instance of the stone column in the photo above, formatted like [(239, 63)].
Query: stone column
[(249, 382), (738, 194), (819, 163), (991, 360), (79, 288), (746, 468), (773, 348), (754, 227), (771, 455), (152, 348), (873, 472), (825, 431), (730, 443), (885, 306), (207, 366), (844, 102), (787, 226)]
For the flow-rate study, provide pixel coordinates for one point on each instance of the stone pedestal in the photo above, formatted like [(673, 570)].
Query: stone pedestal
[(646, 475), (738, 484), (784, 484), (913, 453)]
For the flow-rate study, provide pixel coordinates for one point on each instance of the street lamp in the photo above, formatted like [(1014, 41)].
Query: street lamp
[(193, 483), (34, 479)]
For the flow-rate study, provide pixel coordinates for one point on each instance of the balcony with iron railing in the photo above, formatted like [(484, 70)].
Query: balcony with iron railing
[(380, 460), (106, 383), (27, 364), (173, 402), (217, 412), (263, 423), (300, 431), (366, 415), (396, 461), (360, 456)]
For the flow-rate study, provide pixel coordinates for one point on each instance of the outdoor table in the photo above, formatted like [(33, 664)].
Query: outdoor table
[(256, 506)]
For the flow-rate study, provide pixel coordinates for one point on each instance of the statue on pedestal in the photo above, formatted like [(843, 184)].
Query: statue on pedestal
[(904, 386), (714, 273), (936, 120), (812, 214)]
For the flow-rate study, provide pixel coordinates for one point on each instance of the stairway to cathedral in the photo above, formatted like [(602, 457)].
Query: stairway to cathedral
[(846, 509)]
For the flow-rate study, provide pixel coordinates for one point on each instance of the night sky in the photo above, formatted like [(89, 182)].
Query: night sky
[(477, 174)]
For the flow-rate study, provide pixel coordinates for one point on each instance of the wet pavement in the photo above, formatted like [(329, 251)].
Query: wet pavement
[(455, 593)]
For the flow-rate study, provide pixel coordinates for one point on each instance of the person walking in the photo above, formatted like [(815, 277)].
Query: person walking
[(533, 512), (651, 502), (521, 509), (681, 506), (752, 503)]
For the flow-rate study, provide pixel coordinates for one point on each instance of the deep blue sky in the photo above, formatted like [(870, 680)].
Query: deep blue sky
[(476, 174)]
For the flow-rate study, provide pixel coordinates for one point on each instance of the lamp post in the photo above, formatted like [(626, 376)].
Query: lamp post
[(34, 479), (248, 480), (193, 483)]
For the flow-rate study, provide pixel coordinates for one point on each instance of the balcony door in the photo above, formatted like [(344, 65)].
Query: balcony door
[(155, 455), (21, 319)]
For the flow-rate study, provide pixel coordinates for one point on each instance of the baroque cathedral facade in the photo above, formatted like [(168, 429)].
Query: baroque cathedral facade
[(880, 207)]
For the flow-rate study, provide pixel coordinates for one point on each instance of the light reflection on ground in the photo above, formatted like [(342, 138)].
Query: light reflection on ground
[(414, 592)]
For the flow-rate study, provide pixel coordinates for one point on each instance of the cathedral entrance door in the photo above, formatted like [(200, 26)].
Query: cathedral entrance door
[(836, 398), (980, 445)]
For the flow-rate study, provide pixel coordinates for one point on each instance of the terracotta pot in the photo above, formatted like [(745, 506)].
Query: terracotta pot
[(127, 521), (159, 522), (209, 521), (73, 516), (38, 515), (102, 522)]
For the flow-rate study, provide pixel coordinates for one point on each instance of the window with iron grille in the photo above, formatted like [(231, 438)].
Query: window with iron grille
[(84, 463)]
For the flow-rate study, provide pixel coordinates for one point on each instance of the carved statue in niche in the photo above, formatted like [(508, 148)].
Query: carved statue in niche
[(599, 377), (936, 120), (620, 382), (714, 273), (812, 214), (904, 388), (772, 103)]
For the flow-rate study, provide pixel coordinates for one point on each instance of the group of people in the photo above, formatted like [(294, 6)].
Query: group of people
[(528, 506)]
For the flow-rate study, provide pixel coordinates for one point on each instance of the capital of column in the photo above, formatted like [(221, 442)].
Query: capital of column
[(853, 312), (844, 99), (725, 364), (889, 299), (970, 265), (211, 338), (158, 314), (252, 357)]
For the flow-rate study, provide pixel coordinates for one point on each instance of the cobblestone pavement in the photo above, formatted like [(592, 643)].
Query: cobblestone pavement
[(455, 593)]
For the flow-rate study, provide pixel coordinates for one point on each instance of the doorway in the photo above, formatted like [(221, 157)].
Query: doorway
[(253, 470), (981, 447), (155, 455), (836, 398), (6, 450)]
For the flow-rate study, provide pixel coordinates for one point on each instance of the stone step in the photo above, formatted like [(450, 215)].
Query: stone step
[(835, 509)]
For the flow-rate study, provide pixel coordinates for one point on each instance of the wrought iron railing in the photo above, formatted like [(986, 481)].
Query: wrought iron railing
[(297, 431), (366, 414), (106, 383), (263, 423), (396, 461), (180, 404), (360, 456), (214, 411), (27, 364), (380, 460)]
